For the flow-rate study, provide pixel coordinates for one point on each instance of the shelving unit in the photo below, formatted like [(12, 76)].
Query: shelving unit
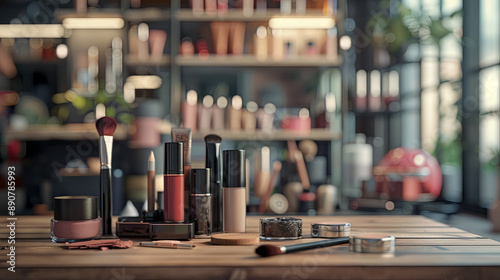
[(275, 135), (252, 61), (69, 132), (238, 15)]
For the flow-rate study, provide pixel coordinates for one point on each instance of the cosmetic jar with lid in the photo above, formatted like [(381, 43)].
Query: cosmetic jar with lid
[(373, 243), (330, 229), (280, 228), (75, 219)]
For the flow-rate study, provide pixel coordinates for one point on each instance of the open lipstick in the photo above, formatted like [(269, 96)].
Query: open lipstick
[(174, 182), (106, 127)]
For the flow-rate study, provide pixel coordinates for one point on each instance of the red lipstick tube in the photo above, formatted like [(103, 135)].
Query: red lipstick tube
[(174, 182)]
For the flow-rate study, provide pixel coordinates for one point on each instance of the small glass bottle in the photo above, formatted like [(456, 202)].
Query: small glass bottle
[(75, 219), (234, 191)]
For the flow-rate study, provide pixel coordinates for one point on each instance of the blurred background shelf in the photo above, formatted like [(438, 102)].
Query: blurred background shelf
[(317, 134), (146, 14), (69, 132), (132, 60), (237, 15), (252, 61)]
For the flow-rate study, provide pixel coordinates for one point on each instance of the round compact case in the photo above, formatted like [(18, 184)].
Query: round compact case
[(330, 229), (281, 228), (373, 243)]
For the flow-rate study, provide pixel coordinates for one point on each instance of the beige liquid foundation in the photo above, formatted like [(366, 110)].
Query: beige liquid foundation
[(234, 191)]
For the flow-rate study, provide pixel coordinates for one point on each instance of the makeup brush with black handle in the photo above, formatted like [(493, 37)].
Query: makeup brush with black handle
[(271, 250), (106, 127)]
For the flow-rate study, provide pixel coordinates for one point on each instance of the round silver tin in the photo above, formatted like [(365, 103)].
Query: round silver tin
[(330, 229), (372, 243)]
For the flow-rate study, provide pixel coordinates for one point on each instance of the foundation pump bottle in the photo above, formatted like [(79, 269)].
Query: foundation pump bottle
[(234, 191)]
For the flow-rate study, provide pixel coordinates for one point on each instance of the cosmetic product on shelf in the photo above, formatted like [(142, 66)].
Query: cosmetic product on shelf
[(205, 113), (189, 110), (234, 202), (213, 161), (262, 171), (202, 48), (93, 70), (143, 45), (374, 99), (264, 202), (145, 131), (80, 6), (280, 228), (260, 6), (157, 39), (236, 37), (330, 229), (361, 90), (286, 7), (329, 7), (265, 120), (210, 7), (358, 162), (218, 113), (260, 42), (222, 6), (235, 113), (197, 6), (327, 199), (292, 192), (278, 204), (277, 43), (201, 201), (331, 48), (133, 41), (187, 47), (298, 123), (249, 120), (220, 36), (174, 182), (75, 219), (248, 8)]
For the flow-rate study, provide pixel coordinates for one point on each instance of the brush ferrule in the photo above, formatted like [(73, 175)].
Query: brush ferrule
[(105, 150), (283, 249)]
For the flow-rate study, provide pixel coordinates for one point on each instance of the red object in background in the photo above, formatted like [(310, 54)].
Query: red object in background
[(13, 150), (174, 197), (296, 123), (419, 171)]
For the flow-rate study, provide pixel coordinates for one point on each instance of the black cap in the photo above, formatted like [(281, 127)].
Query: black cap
[(199, 180), (174, 158), (74, 208), (234, 175)]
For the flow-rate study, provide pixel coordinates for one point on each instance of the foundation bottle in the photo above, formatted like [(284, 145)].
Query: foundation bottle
[(234, 191)]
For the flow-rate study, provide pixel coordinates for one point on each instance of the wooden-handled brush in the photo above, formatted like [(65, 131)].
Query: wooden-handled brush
[(106, 127), (271, 250)]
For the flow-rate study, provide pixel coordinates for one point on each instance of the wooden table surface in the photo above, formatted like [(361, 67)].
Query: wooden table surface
[(425, 249)]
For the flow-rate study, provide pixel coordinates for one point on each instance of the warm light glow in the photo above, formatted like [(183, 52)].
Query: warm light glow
[(252, 107), (31, 31), (143, 32), (222, 102), (237, 102), (62, 51), (144, 81), (393, 83), (269, 108), (128, 92), (100, 111), (261, 32), (192, 98), (208, 101), (302, 23), (345, 42), (361, 83), (375, 83), (330, 103), (304, 114), (93, 23)]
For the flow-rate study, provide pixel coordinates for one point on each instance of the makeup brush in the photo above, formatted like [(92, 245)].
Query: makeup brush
[(271, 250), (213, 160), (106, 127)]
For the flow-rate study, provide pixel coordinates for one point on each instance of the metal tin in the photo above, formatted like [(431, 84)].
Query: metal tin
[(171, 231), (373, 243), (281, 228), (330, 229)]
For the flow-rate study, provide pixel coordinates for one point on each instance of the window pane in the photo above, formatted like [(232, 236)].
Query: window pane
[(489, 138), (489, 32), (430, 119)]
